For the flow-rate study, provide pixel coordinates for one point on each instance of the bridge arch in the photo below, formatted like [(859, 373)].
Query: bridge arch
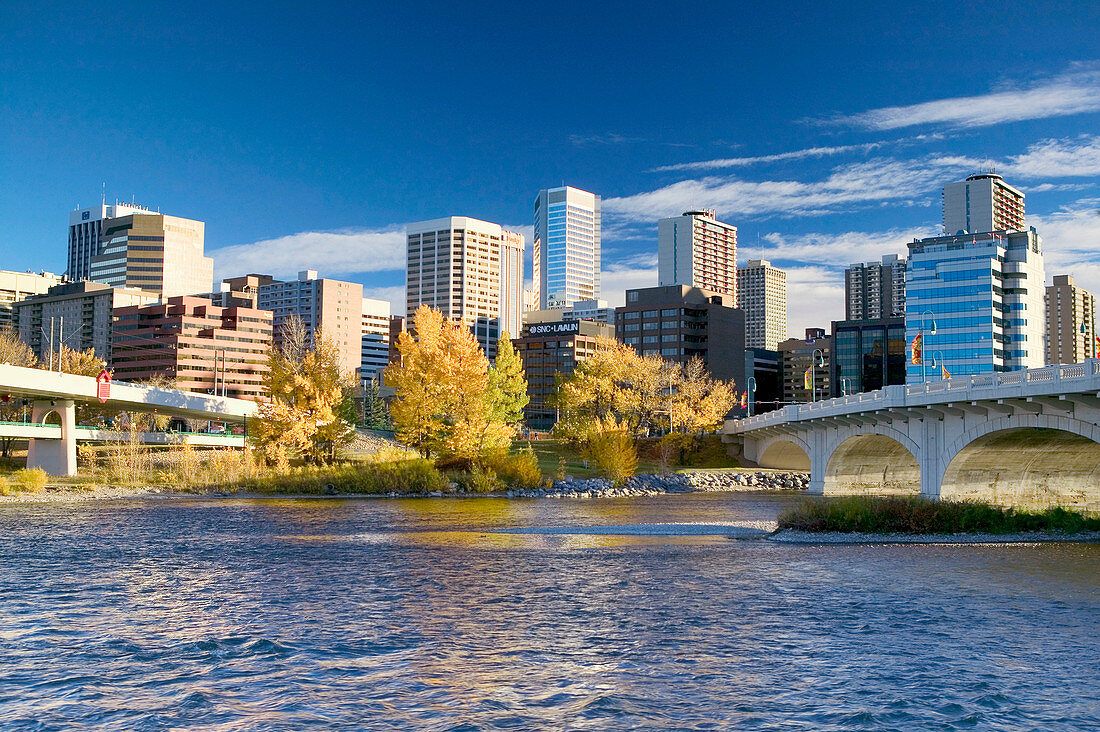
[(785, 452), (875, 459), (1030, 461), (52, 417)]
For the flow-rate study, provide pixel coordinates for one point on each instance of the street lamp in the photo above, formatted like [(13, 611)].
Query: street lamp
[(923, 345), (845, 384), (817, 359), (751, 388), (936, 362)]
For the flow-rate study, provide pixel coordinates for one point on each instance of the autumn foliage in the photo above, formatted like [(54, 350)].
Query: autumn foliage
[(449, 401), (303, 420)]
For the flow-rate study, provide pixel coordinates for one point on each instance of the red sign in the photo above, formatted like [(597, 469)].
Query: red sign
[(103, 386)]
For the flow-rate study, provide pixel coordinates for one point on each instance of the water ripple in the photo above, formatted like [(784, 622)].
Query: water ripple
[(490, 614)]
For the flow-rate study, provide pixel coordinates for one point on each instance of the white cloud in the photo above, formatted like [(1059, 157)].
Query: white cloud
[(331, 253), (1044, 187), (815, 298), (527, 230), (844, 248), (855, 183), (1071, 241), (616, 279), (1052, 158), (395, 295), (1059, 158), (813, 152), (1073, 92)]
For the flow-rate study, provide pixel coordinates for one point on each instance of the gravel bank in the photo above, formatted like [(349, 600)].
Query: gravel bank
[(792, 536), (653, 485)]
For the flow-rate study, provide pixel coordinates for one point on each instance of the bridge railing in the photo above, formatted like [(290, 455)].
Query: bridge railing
[(1046, 379)]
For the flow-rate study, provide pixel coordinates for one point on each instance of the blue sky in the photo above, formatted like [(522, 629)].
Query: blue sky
[(307, 135)]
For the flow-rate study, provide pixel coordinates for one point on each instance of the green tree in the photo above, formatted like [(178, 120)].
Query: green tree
[(507, 383)]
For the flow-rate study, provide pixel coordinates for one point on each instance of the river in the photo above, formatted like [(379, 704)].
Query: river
[(452, 614)]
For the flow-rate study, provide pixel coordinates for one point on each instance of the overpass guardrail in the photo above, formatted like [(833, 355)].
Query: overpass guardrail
[(1049, 380)]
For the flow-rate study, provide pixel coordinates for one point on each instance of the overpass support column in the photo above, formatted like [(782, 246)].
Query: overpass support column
[(819, 461), (56, 457), (930, 457)]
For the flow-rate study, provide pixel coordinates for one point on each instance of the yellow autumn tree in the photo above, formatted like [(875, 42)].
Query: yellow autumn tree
[(303, 419), (614, 389), (700, 402), (443, 402)]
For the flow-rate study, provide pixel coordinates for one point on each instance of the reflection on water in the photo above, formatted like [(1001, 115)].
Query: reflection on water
[(488, 613)]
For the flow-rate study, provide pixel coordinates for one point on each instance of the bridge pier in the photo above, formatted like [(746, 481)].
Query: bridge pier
[(56, 457)]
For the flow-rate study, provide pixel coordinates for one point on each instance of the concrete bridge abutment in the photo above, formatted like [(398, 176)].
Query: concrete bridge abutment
[(56, 457)]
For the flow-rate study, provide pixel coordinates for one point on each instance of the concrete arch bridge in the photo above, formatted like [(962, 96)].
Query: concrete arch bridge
[(1021, 438)]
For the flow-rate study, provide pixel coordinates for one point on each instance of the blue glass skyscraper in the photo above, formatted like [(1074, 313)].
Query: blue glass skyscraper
[(566, 252), (977, 301)]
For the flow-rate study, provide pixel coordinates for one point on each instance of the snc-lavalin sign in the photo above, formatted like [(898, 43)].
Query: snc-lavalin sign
[(566, 327)]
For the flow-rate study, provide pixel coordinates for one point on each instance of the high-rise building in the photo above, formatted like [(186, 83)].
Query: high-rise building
[(331, 308), (204, 348), (79, 315), (762, 294), (376, 338), (679, 323), (977, 301), (875, 290), (552, 346), (469, 270), (239, 292), (566, 251), (697, 250), (85, 233), (980, 204), (155, 253), (867, 355), (511, 282), (16, 286), (1071, 322), (805, 361)]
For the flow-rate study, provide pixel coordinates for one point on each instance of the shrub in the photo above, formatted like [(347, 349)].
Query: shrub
[(917, 515), (30, 480), (480, 480), (520, 469), (613, 454)]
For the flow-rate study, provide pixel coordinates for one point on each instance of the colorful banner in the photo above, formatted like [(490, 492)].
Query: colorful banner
[(946, 373), (808, 378), (917, 349), (745, 400)]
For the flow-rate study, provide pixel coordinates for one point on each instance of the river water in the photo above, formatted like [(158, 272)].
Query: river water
[(454, 614)]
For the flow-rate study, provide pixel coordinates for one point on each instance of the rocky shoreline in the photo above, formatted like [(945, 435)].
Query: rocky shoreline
[(654, 485)]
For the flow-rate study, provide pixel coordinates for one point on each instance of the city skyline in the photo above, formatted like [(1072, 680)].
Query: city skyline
[(846, 165)]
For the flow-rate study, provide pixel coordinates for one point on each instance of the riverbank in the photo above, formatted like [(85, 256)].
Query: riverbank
[(794, 536), (637, 486)]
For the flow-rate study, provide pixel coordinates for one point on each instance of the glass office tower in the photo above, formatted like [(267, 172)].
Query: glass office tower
[(566, 253), (983, 296)]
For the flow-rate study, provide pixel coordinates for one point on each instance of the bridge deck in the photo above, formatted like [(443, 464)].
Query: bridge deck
[(42, 384), (1053, 381)]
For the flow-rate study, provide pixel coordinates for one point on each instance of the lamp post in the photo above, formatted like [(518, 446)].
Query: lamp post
[(751, 384), (817, 359), (923, 345), (936, 362), (845, 384)]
